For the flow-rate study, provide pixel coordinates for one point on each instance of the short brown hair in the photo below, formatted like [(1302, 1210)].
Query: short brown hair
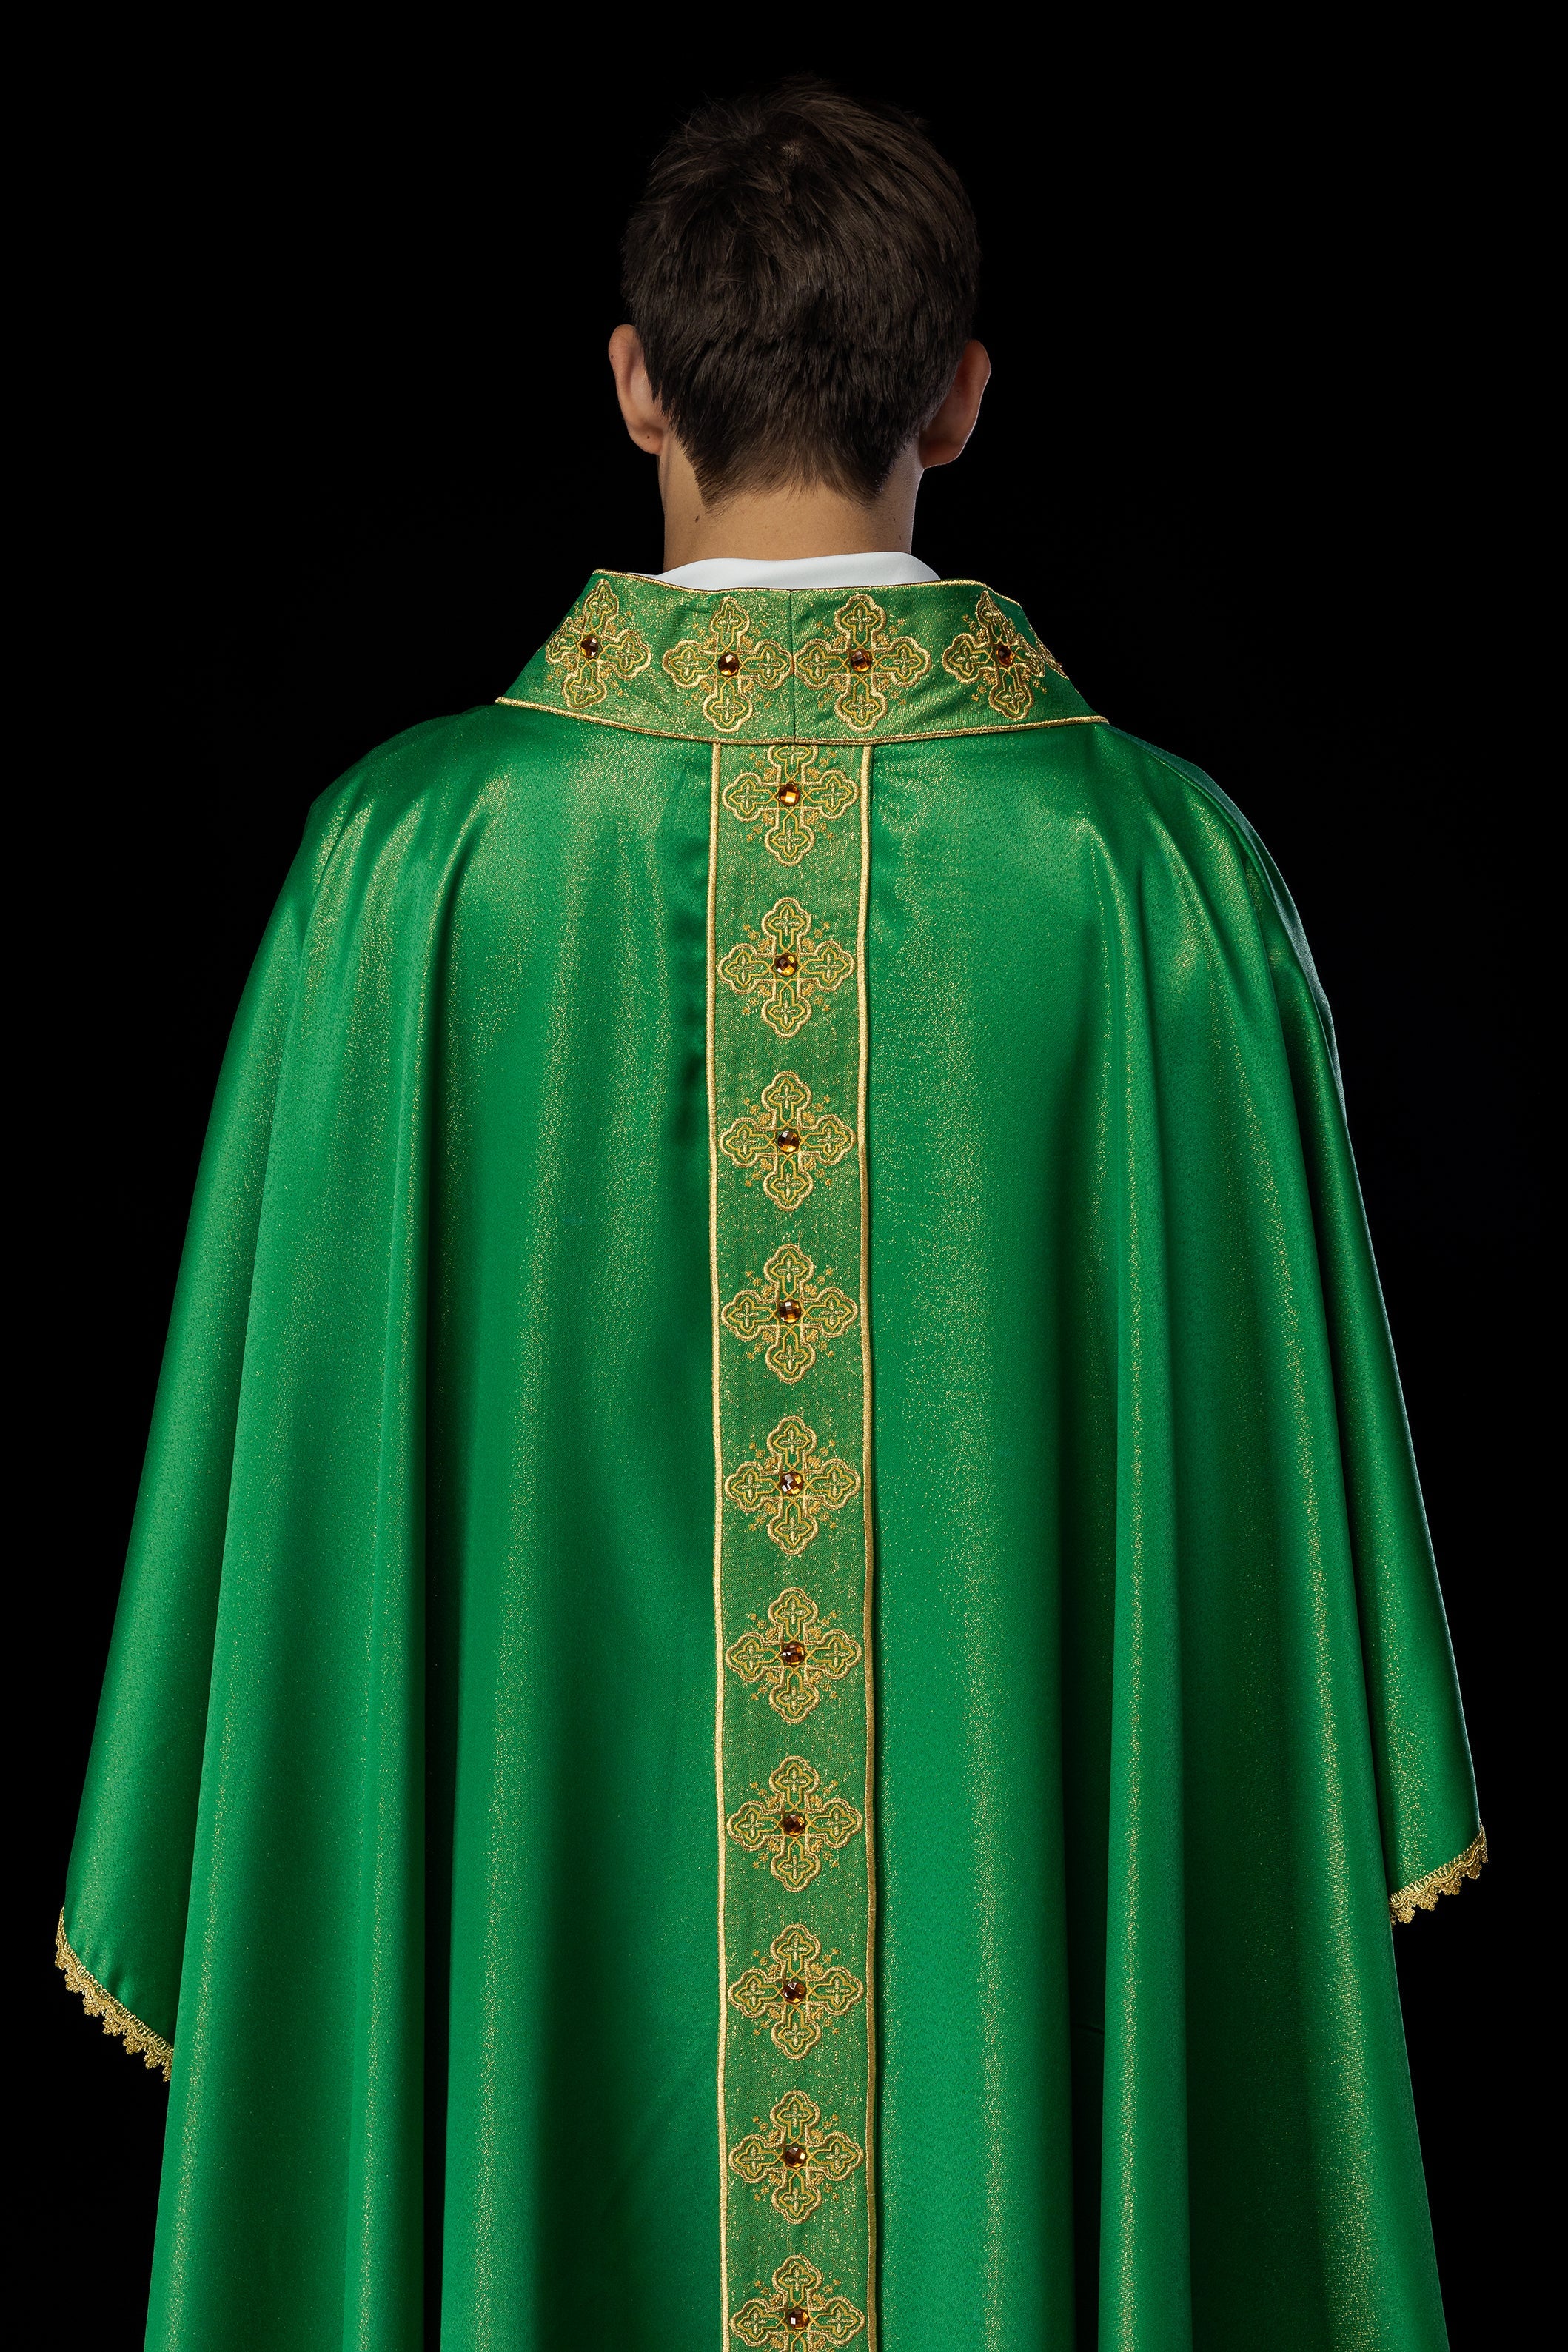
[(802, 272)]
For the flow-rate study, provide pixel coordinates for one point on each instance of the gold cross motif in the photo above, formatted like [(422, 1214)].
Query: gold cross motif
[(796, 1995), (796, 2158), (728, 664), (799, 794), (593, 644), (784, 1142), (793, 1656), (791, 1487), (793, 1313), (795, 1823), (783, 970), (797, 2316), (862, 661), (1003, 656)]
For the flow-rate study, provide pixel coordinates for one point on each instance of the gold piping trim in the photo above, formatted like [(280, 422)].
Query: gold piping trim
[(861, 1092), (140, 2040), (718, 1534), (826, 742), (1423, 1893)]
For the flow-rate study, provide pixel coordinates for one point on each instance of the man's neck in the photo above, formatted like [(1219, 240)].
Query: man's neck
[(774, 526)]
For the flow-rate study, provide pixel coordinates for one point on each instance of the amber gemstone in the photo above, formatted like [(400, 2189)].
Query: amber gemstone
[(788, 794), (728, 664), (787, 964), (792, 1824), (1003, 656), (589, 644), (791, 1653), (788, 1310), (796, 2319), (792, 1989), (792, 2153), (859, 660), (790, 1481), (786, 1139)]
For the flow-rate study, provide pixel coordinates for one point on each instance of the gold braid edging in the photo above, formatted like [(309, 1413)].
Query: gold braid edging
[(140, 2040), (1422, 1895)]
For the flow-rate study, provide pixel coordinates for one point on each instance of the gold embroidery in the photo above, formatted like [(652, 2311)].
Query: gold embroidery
[(728, 664), (1003, 656), (796, 1825), (862, 661), (593, 644), (797, 2316), (140, 2040), (796, 1996), (794, 1313), (791, 1487), (783, 970), (800, 795), (1421, 1895), (783, 1140), (797, 2156), (794, 1657)]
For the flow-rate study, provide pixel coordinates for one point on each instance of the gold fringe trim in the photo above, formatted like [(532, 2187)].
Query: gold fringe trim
[(1423, 1895), (140, 2040)]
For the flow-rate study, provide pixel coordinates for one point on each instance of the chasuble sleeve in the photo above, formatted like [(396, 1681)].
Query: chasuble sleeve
[(121, 1931), (1431, 1834)]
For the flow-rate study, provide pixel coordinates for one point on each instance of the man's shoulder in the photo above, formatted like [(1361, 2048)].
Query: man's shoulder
[(423, 788), (1169, 791), (1132, 794)]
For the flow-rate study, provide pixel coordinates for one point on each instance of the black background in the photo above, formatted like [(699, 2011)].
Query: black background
[(328, 445)]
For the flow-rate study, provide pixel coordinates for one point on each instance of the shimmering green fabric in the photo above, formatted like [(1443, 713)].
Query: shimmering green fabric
[(401, 1817)]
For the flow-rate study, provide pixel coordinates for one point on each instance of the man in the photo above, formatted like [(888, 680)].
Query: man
[(780, 1662)]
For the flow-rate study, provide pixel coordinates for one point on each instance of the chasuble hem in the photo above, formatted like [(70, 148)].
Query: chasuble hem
[(156, 2054), (1449, 1878)]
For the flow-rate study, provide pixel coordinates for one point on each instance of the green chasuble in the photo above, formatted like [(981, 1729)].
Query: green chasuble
[(780, 1663)]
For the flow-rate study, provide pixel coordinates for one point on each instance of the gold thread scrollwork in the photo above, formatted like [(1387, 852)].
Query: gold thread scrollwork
[(795, 1995), (140, 2040), (863, 662), (794, 1658), (793, 1314), (783, 970), (796, 796), (797, 2156), (795, 1823), (593, 645), (792, 1488), (727, 666), (783, 1140), (999, 655), (799, 2316), (1423, 1893)]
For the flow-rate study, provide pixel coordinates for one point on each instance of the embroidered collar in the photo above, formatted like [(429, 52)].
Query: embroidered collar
[(820, 665)]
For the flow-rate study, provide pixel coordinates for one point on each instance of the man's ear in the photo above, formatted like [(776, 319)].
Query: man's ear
[(951, 427), (645, 419)]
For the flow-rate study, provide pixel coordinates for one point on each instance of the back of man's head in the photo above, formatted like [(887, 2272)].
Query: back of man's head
[(802, 273)]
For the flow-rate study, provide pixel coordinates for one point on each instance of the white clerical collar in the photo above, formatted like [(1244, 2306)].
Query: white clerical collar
[(887, 569)]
